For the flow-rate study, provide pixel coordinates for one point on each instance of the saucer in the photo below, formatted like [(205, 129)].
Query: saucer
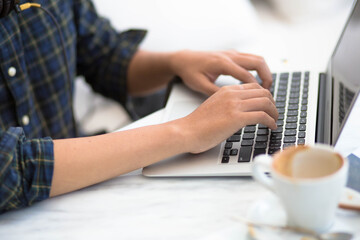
[(269, 211)]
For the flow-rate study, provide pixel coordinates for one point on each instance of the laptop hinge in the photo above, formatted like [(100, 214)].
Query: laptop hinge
[(320, 123)]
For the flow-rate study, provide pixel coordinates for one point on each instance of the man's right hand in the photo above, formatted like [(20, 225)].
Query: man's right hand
[(225, 112)]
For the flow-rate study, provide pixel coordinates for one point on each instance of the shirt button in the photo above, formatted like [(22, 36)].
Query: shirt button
[(25, 120), (12, 71)]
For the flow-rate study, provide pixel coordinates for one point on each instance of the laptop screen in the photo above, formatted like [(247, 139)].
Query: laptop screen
[(345, 71)]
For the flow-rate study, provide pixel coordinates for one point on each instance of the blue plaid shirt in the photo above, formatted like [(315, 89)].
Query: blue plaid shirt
[(36, 95)]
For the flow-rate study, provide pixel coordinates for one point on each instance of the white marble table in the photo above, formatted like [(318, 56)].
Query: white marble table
[(136, 207)]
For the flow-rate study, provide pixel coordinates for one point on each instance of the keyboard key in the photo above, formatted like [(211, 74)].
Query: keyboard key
[(273, 77), (249, 129), (295, 90), (289, 139), (262, 138), (303, 114), (225, 160), (292, 113), (273, 150), (301, 134), (281, 116), (296, 74), (259, 151), (226, 152), (228, 145), (261, 145), (247, 142), (262, 126), (275, 145), (286, 145), (233, 152), (282, 87), (281, 110), (290, 132), (245, 154), (293, 101), (278, 130), (291, 119), (293, 107), (263, 131), (304, 108), (302, 120), (302, 127), (291, 126), (281, 99), (294, 95), (280, 123), (281, 93), (280, 105), (274, 136), (234, 138), (301, 141), (249, 136)]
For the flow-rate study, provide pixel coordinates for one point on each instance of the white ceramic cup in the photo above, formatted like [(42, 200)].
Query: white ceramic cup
[(308, 180)]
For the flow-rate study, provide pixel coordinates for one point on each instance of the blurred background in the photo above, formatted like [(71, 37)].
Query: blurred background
[(287, 33)]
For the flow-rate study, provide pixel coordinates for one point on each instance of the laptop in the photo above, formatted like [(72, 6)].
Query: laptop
[(313, 107)]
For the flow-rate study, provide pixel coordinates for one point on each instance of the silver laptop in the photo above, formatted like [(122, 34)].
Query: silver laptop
[(312, 107)]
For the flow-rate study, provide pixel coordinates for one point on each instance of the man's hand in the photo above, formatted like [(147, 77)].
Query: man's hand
[(199, 70), (225, 112)]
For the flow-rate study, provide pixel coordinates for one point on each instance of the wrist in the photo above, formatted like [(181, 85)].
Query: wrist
[(182, 134), (176, 62)]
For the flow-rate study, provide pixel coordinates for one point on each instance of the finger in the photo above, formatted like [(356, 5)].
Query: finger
[(250, 118), (253, 62), (234, 70), (259, 104), (239, 91), (256, 93), (205, 86), (247, 86)]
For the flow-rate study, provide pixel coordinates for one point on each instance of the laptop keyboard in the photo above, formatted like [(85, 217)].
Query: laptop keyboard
[(291, 99), (345, 98)]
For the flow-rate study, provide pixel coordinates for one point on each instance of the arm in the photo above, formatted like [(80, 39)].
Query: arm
[(85, 161), (199, 70)]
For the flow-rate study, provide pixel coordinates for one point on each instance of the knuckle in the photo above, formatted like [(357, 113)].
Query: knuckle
[(255, 85), (266, 93), (225, 89), (261, 60), (263, 115)]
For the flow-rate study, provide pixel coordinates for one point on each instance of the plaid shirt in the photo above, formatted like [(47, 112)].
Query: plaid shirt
[(36, 95)]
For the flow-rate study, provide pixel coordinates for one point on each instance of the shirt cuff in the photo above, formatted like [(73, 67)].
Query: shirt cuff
[(37, 162), (118, 69)]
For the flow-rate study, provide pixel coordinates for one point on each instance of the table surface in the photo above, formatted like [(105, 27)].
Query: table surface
[(135, 207)]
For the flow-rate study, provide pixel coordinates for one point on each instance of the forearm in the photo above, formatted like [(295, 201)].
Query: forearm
[(82, 162), (149, 71)]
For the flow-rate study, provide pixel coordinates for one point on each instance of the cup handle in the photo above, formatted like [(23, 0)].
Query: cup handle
[(261, 164)]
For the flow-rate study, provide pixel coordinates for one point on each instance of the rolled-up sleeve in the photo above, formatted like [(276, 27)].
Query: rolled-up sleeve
[(104, 54), (26, 169)]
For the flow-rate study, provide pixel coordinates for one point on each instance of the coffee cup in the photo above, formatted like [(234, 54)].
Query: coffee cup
[(308, 180)]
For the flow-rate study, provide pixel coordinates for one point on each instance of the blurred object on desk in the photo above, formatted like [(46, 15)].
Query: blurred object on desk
[(307, 10)]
